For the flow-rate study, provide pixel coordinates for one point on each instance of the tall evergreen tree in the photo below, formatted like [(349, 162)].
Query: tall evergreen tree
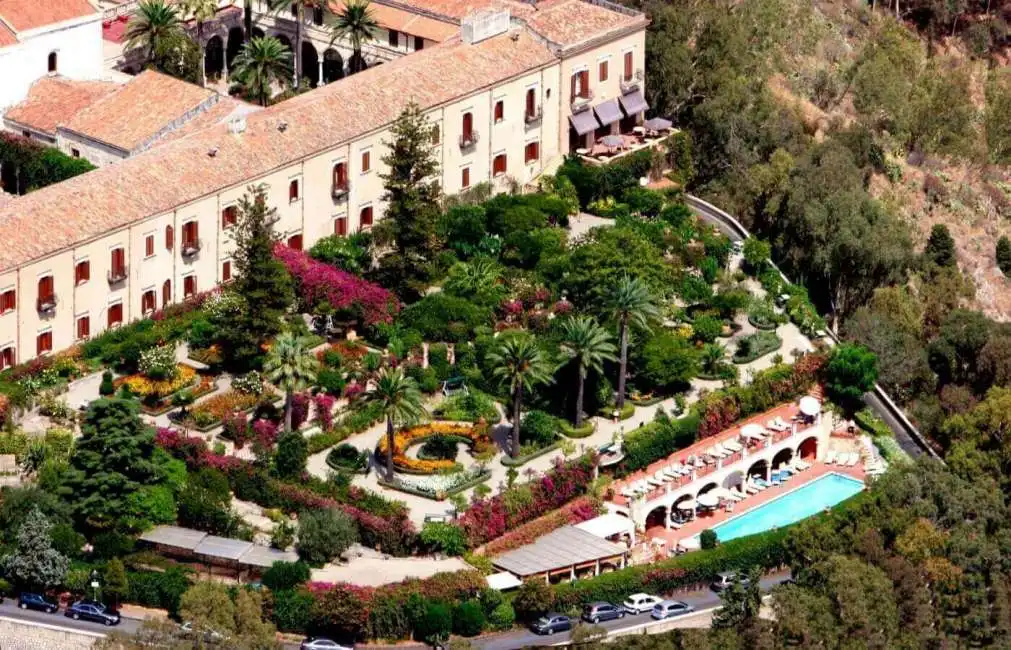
[(940, 247), (34, 563), (412, 204), (263, 286), (1003, 254)]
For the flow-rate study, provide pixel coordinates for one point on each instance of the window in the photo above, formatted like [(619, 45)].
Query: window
[(340, 226), (8, 301), (602, 70), (83, 327), (26, 134), (117, 264), (82, 272), (499, 111), (580, 85), (147, 302), (7, 358), (340, 176), (498, 165), (628, 66), (166, 293), (435, 134), (115, 314), (149, 246), (294, 9), (394, 38), (76, 153), (531, 152), (295, 242), (44, 343), (366, 161), (226, 271), (317, 15), (468, 127), (189, 286), (229, 216), (419, 43), (190, 234), (465, 178), (293, 191), (531, 103), (365, 216), (52, 63), (46, 292), (169, 237)]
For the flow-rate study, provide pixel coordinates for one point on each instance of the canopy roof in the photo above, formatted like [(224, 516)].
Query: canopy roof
[(503, 581), (607, 525), (559, 549), (212, 546)]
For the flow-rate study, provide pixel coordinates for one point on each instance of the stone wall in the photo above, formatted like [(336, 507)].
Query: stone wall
[(20, 635)]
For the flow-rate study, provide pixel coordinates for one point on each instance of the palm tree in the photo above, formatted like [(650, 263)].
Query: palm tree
[(277, 6), (630, 303), (584, 340), (262, 63), (153, 22), (518, 361), (400, 400), (473, 278), (291, 366), (202, 11), (356, 24), (712, 357)]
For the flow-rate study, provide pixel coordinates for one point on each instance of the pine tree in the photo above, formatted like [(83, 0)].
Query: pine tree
[(412, 204), (940, 247), (115, 586), (1004, 255), (263, 286), (35, 563)]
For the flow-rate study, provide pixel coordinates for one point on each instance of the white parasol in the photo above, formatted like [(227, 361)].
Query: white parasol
[(709, 500), (687, 504), (809, 406), (690, 544)]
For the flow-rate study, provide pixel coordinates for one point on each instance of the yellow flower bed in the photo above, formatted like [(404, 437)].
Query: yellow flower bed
[(143, 386), (405, 438)]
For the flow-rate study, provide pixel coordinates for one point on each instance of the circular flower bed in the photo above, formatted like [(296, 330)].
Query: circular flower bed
[(475, 436), (144, 387)]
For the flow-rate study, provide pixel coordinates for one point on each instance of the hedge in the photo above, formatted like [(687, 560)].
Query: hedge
[(764, 550), (28, 165), (627, 411), (509, 461), (762, 343), (569, 431)]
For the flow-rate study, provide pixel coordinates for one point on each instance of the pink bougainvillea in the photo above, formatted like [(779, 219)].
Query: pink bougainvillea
[(324, 411), (319, 282), (265, 433)]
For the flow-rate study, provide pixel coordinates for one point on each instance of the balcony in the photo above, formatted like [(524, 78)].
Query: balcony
[(115, 276), (468, 140), (631, 84), (46, 304), (534, 117), (341, 190), (191, 247), (582, 102)]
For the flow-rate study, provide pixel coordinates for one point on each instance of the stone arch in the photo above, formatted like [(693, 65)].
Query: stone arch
[(285, 41), (808, 449), (357, 63), (676, 514), (759, 468), (655, 517), (734, 480), (234, 46), (310, 63), (333, 66), (258, 33), (214, 57), (782, 457), (708, 487)]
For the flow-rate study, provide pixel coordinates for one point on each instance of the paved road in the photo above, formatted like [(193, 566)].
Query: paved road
[(9, 609), (703, 599)]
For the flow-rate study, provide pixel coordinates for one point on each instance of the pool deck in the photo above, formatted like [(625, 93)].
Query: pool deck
[(714, 518)]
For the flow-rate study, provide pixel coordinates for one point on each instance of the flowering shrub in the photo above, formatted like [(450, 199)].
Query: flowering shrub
[(250, 383), (215, 408), (318, 282), (299, 409), (439, 484), (351, 391), (476, 437), (574, 512), (562, 307), (145, 387), (324, 411), (490, 518), (159, 363), (236, 428), (5, 406), (265, 433)]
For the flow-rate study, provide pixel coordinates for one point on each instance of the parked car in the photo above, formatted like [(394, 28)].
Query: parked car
[(93, 611), (639, 603), (597, 612), (550, 623), (29, 600), (725, 580), (321, 643), (670, 609)]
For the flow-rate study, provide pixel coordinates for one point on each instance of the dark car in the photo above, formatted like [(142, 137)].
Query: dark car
[(670, 609), (321, 643), (551, 623), (725, 580), (93, 611), (28, 600), (597, 612)]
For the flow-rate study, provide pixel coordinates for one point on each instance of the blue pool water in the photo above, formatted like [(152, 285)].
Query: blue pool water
[(823, 492)]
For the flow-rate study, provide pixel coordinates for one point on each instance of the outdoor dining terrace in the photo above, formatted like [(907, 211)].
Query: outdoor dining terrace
[(608, 148)]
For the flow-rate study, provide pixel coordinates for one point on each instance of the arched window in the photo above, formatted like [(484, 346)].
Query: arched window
[(169, 237), (365, 217), (531, 103), (52, 62), (468, 127), (166, 293)]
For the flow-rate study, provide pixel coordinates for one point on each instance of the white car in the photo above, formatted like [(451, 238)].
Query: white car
[(639, 603)]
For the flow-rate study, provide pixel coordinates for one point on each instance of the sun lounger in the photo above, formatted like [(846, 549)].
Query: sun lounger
[(801, 465), (853, 459), (627, 492), (732, 445), (761, 483), (830, 457), (751, 488)]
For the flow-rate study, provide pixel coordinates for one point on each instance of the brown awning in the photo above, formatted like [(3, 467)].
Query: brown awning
[(607, 112), (583, 122), (633, 103)]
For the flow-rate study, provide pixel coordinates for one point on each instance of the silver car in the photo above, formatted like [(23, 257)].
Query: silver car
[(670, 609), (322, 643)]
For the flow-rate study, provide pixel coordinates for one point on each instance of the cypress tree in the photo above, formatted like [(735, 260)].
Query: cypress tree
[(1004, 255)]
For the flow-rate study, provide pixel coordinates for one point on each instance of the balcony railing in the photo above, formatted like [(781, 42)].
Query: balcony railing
[(191, 247), (533, 117), (582, 102), (115, 276), (631, 84), (46, 304), (468, 140), (341, 190)]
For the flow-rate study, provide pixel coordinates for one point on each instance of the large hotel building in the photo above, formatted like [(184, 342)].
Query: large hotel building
[(513, 89)]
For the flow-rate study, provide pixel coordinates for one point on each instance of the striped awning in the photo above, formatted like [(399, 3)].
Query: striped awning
[(583, 122), (633, 103), (607, 112)]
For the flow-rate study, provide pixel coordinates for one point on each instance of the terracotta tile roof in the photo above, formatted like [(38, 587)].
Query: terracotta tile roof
[(56, 100), (7, 36), (217, 114), (137, 112), (24, 15), (571, 22), (157, 181), (408, 22), (455, 9)]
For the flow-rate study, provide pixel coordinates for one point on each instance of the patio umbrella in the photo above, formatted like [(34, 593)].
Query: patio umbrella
[(690, 544), (612, 141), (721, 493), (687, 504), (657, 124), (708, 500), (809, 406)]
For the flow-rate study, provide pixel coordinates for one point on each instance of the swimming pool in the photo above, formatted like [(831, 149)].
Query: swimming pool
[(821, 493)]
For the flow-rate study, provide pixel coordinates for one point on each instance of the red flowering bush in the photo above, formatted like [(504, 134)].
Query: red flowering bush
[(343, 609), (299, 409), (318, 282), (562, 307), (324, 411), (236, 428), (579, 510), (352, 391), (265, 433)]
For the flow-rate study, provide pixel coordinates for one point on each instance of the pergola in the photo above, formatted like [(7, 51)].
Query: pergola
[(213, 550), (562, 552)]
